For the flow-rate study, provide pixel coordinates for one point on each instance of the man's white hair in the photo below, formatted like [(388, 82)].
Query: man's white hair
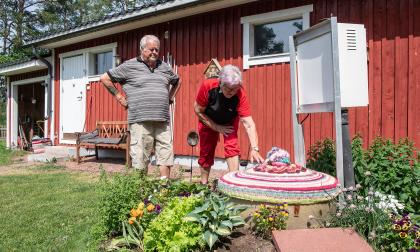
[(147, 38), (230, 75)]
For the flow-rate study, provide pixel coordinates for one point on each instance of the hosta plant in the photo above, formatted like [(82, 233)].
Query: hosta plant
[(217, 216), (268, 218)]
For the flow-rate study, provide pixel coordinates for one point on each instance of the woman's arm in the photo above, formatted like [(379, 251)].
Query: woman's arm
[(199, 111), (251, 130)]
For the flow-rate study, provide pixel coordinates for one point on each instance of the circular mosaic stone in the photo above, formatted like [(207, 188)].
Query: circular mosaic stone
[(304, 187)]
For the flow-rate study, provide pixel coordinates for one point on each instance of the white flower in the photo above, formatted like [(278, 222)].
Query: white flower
[(349, 197), (352, 206), (344, 189), (359, 197), (338, 214), (351, 188), (367, 209), (327, 224), (358, 186), (370, 193), (367, 173), (311, 217)]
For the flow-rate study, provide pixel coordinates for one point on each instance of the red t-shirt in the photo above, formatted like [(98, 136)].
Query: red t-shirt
[(209, 88)]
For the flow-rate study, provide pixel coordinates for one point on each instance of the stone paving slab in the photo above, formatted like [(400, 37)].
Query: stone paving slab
[(320, 240)]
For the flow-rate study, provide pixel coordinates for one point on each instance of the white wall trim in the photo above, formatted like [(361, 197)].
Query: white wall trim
[(28, 81), (14, 107), (8, 87), (52, 116), (248, 33), (95, 49)]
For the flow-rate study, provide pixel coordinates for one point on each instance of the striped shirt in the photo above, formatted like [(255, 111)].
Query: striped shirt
[(147, 89)]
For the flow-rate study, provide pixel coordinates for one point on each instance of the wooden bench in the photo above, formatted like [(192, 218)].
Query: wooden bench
[(108, 134)]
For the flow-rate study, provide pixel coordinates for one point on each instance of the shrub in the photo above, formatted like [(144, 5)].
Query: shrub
[(268, 218), (321, 157), (118, 195), (390, 168), (169, 232)]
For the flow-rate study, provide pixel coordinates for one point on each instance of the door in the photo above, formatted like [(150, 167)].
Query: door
[(72, 97)]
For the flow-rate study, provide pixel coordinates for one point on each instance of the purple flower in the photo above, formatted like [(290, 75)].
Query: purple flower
[(146, 201), (412, 250), (158, 208)]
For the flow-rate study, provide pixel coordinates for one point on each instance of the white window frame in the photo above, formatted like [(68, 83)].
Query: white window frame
[(91, 60), (276, 16), (88, 54)]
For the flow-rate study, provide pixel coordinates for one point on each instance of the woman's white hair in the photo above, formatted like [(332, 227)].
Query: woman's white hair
[(147, 38), (230, 75)]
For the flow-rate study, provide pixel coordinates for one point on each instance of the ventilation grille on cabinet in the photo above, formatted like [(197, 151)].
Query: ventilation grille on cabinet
[(351, 39)]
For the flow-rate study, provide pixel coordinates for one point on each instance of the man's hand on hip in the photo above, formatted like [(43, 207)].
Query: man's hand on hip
[(121, 99)]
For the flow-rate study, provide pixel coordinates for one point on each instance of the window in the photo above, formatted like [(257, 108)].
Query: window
[(266, 36), (100, 59), (103, 62)]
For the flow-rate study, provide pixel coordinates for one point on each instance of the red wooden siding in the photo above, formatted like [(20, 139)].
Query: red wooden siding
[(393, 37), (101, 106)]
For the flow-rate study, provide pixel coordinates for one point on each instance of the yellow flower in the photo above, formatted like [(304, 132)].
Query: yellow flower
[(405, 226), (285, 205), (286, 214), (141, 206), (417, 234), (133, 213), (139, 212), (131, 220), (396, 227), (256, 214), (403, 235), (150, 207), (270, 219)]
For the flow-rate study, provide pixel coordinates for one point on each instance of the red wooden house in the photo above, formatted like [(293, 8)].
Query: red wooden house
[(250, 34)]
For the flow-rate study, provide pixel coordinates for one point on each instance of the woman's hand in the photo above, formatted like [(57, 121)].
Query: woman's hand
[(224, 129), (255, 156)]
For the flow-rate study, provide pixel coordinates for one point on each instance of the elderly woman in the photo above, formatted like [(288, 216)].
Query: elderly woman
[(219, 105)]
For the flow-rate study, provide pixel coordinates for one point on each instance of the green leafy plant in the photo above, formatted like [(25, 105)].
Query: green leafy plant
[(217, 216), (321, 157), (118, 195), (391, 169), (268, 218), (169, 232)]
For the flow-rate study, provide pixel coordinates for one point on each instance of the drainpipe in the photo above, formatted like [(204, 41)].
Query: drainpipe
[(48, 82)]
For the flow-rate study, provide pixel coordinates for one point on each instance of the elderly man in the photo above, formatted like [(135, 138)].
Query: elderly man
[(219, 105), (149, 85)]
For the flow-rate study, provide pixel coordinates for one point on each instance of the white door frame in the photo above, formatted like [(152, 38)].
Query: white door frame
[(14, 107), (84, 79)]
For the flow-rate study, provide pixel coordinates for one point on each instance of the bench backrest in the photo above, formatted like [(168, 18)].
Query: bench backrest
[(108, 129)]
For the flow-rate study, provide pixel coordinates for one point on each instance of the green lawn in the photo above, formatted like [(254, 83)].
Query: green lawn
[(7, 155), (51, 210)]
